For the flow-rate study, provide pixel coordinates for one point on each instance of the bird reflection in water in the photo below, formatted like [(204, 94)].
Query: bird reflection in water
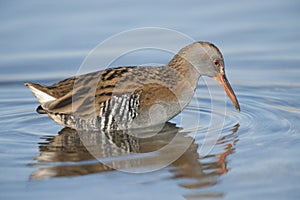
[(73, 153)]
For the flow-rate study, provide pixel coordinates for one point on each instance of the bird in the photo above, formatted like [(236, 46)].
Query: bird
[(129, 97)]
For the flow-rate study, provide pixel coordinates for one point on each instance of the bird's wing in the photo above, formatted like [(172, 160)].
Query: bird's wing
[(88, 93), (81, 100)]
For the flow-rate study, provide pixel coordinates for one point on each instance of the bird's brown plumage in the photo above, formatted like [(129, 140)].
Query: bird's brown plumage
[(171, 86)]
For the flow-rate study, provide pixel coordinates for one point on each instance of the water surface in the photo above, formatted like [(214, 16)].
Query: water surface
[(256, 152)]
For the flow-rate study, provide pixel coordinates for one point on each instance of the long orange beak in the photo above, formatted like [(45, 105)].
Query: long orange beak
[(222, 80)]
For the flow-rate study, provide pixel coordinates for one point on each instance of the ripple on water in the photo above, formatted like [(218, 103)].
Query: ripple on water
[(61, 152), (264, 113)]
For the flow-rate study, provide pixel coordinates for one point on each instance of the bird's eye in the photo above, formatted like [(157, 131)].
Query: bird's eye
[(216, 62)]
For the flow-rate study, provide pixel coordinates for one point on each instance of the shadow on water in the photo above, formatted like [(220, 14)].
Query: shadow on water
[(71, 154)]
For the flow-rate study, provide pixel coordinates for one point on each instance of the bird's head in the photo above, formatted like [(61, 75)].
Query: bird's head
[(207, 60)]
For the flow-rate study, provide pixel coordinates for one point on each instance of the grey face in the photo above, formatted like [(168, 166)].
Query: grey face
[(205, 57)]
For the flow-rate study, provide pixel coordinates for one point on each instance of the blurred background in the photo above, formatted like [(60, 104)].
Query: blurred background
[(56, 36), (46, 41)]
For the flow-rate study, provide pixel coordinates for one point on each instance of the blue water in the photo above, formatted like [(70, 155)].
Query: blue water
[(256, 152)]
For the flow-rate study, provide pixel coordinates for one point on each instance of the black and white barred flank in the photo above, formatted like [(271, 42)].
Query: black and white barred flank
[(117, 113)]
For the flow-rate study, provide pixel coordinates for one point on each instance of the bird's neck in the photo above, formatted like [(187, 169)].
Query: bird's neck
[(185, 69)]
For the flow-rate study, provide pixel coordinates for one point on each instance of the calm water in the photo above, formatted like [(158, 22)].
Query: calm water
[(256, 154)]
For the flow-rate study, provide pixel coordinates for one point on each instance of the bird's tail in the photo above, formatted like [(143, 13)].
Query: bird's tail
[(40, 92)]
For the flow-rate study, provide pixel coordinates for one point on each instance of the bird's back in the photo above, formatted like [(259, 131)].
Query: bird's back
[(118, 95)]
